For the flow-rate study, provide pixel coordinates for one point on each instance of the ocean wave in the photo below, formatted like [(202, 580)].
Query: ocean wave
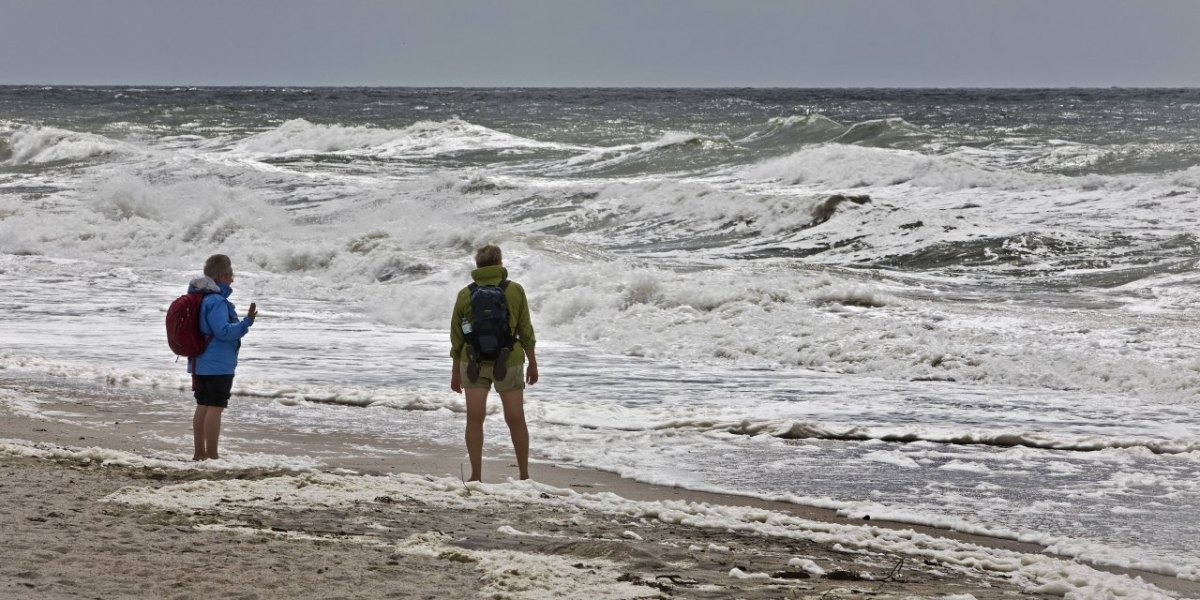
[(672, 152), (1080, 159), (1020, 250), (789, 132), (40, 145), (148, 218), (686, 151), (665, 216), (424, 138), (1189, 178), (165, 215), (843, 166), (299, 135), (891, 132)]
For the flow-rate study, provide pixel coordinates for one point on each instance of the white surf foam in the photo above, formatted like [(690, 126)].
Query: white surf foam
[(38, 145)]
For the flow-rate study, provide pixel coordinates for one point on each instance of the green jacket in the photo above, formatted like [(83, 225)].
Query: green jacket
[(518, 315)]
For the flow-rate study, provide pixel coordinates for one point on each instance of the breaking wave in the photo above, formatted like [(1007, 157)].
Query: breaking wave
[(424, 138), (40, 145), (848, 166)]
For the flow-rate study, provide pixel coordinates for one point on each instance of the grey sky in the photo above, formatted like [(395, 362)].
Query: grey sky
[(825, 43)]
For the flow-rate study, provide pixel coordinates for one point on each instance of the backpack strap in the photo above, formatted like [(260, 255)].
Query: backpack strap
[(504, 284), (208, 337), (204, 315)]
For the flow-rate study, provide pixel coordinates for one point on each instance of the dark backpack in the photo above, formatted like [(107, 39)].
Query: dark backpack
[(489, 320), (183, 325)]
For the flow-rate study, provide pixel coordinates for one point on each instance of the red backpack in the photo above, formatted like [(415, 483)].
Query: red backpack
[(183, 326)]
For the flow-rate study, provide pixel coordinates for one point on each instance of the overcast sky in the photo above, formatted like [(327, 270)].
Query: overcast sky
[(643, 43)]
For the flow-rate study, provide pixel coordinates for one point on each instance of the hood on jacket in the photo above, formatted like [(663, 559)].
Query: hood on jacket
[(203, 284), (492, 275)]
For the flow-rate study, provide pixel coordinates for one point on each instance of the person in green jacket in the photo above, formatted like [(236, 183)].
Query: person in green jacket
[(511, 385)]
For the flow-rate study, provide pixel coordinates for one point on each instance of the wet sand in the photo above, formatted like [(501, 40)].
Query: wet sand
[(77, 524)]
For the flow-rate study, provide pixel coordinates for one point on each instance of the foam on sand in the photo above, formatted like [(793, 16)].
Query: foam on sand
[(1036, 573), (116, 458)]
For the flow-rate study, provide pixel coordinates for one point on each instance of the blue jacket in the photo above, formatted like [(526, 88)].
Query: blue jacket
[(219, 319)]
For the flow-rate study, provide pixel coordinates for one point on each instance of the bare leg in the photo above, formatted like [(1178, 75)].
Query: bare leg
[(514, 415), (198, 432), (476, 411), (212, 431)]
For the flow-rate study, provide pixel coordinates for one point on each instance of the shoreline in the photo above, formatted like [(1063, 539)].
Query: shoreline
[(383, 459)]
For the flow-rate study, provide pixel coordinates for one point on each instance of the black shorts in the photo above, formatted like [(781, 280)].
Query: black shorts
[(212, 390)]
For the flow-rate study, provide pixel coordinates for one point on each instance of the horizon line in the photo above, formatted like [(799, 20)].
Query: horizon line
[(604, 87)]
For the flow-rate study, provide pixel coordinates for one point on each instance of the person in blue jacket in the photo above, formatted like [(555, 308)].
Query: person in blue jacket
[(212, 371)]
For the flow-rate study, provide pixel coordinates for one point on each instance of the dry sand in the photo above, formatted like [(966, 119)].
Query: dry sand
[(62, 539)]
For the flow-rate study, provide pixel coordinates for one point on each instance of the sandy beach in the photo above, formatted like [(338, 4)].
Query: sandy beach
[(103, 505)]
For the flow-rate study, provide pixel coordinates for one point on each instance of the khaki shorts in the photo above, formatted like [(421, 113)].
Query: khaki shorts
[(513, 380)]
